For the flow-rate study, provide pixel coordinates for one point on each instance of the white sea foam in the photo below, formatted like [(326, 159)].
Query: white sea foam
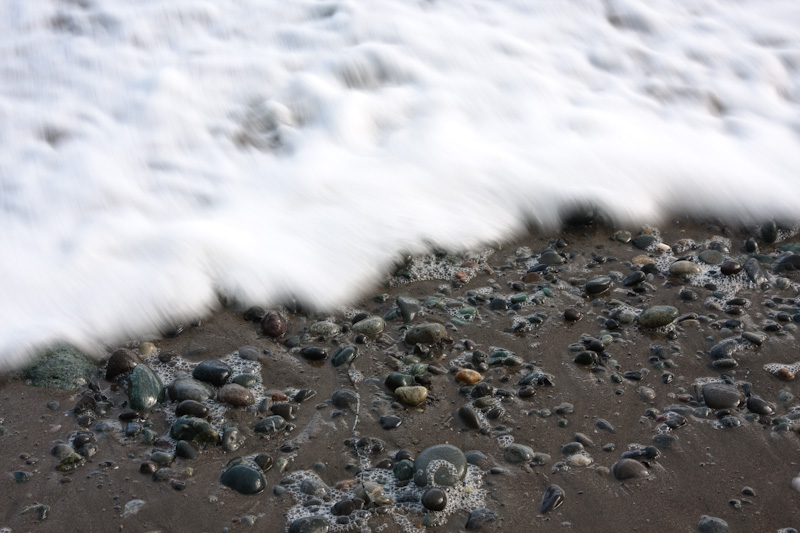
[(155, 154)]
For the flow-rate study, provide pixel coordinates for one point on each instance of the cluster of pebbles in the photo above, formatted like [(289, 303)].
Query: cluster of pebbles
[(475, 345)]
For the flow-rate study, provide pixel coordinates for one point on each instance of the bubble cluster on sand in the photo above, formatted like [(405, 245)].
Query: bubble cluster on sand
[(407, 511), (437, 267)]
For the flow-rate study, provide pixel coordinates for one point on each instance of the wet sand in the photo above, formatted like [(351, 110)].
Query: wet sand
[(699, 474)]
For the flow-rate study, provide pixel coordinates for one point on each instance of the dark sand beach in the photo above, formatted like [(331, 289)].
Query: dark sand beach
[(729, 450)]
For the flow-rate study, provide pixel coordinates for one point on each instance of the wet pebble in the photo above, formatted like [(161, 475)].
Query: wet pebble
[(721, 396), (657, 316), (604, 424), (442, 476), (314, 353), (409, 307), (191, 408), (390, 421), (518, 453), (434, 499), (344, 399), (552, 499), (629, 469), (343, 355), (426, 333), (371, 327), (273, 325), (572, 315), (760, 406), (712, 524), (185, 450), (479, 518), (243, 479), (212, 371), (684, 268), (232, 439), (189, 389), (270, 424), (235, 395), (413, 395), (145, 389), (121, 362), (598, 285), (469, 417), (468, 377), (194, 429)]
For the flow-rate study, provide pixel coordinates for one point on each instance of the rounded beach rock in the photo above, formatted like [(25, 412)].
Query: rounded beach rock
[(413, 395), (426, 333), (657, 316)]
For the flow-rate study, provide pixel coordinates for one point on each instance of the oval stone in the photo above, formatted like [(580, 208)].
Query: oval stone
[(371, 327), (121, 362), (189, 389), (598, 285), (684, 268), (243, 479), (145, 389), (212, 371), (194, 429), (273, 325), (413, 395), (552, 498), (711, 257), (442, 476), (468, 376), (721, 396), (309, 524), (657, 316), (629, 469), (270, 424), (235, 395), (343, 355), (518, 453)]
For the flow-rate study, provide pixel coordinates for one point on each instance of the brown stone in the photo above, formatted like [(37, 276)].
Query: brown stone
[(235, 395), (468, 377), (273, 325)]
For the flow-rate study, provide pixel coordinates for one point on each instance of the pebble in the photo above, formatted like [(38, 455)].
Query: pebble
[(194, 429), (409, 307), (344, 399), (721, 396), (712, 524), (479, 518), (191, 408), (413, 395), (442, 476), (552, 499), (243, 479), (598, 285), (212, 371), (232, 439), (235, 395), (760, 406), (469, 417), (343, 355), (429, 333), (189, 389), (121, 362), (273, 325), (711, 257), (468, 377), (434, 499), (371, 327), (629, 469), (314, 353), (730, 268), (390, 421), (270, 424), (572, 315), (724, 349), (657, 316), (324, 329), (398, 379), (644, 241), (604, 424), (518, 453), (185, 450), (796, 484), (145, 389)]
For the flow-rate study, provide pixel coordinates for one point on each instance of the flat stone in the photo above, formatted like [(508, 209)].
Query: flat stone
[(189, 389), (442, 476), (429, 333), (657, 316), (324, 329), (629, 469), (684, 268), (711, 257), (371, 327), (598, 285), (235, 395), (413, 395), (721, 396)]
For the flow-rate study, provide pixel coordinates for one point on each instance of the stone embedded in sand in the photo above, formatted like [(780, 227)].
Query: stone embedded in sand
[(657, 316), (468, 376), (434, 499), (243, 479), (629, 469), (598, 285), (552, 498), (430, 461), (235, 395), (270, 424), (194, 429), (760, 406), (429, 333), (273, 325), (409, 307), (712, 524), (721, 396), (371, 327), (413, 395)]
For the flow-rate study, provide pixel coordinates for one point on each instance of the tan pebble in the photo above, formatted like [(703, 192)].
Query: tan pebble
[(469, 264), (413, 395), (785, 374), (642, 260), (146, 349), (345, 484), (460, 275), (663, 247), (468, 377), (279, 397), (530, 277), (488, 271)]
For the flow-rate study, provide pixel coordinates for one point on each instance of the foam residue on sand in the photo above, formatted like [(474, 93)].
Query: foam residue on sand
[(155, 154)]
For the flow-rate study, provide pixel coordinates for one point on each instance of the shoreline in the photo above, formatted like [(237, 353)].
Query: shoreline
[(697, 474)]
